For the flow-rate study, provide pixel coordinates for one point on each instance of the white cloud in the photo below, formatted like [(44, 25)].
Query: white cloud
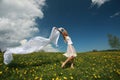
[(115, 15), (98, 2), (17, 20)]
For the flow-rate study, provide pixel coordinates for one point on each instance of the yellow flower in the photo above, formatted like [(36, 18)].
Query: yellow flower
[(6, 69), (53, 79), (55, 74), (118, 71), (61, 73), (20, 75), (98, 76), (93, 68), (71, 77), (40, 78), (16, 69), (94, 75), (33, 75), (93, 64), (0, 72), (57, 78), (25, 72), (0, 64), (64, 77), (36, 77), (37, 67), (54, 64)]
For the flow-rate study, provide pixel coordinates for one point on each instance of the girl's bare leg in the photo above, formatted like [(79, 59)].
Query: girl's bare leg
[(72, 64), (67, 60)]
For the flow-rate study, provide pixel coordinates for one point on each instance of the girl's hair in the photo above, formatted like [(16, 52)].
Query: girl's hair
[(64, 33)]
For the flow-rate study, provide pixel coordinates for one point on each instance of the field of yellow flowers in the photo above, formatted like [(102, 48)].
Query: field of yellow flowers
[(47, 66)]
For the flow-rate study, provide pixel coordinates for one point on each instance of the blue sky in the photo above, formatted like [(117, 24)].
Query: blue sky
[(87, 21), (87, 24)]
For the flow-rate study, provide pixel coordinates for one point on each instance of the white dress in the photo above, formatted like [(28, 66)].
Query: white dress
[(70, 48)]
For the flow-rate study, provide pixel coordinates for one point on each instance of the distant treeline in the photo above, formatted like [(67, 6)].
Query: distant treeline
[(105, 50), (110, 50)]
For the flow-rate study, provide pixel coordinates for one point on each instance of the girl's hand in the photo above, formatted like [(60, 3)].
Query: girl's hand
[(56, 28)]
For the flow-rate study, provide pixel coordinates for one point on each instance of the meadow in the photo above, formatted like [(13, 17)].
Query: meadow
[(47, 66)]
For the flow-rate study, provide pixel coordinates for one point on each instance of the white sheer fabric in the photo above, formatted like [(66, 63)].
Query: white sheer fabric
[(33, 45)]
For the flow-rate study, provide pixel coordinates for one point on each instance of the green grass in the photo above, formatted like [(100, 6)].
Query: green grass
[(47, 66)]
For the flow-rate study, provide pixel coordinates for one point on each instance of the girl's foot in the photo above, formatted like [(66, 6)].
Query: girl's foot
[(72, 67), (63, 64)]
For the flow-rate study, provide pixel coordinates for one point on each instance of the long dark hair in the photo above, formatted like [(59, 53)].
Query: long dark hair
[(64, 33)]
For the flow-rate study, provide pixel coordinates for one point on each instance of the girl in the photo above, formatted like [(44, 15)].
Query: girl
[(71, 53)]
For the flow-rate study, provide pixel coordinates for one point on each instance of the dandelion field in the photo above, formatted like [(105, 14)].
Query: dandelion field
[(47, 66)]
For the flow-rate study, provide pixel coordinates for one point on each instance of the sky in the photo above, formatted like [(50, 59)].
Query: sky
[(88, 22)]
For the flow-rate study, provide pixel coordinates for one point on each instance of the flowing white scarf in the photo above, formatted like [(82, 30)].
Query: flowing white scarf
[(33, 45)]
